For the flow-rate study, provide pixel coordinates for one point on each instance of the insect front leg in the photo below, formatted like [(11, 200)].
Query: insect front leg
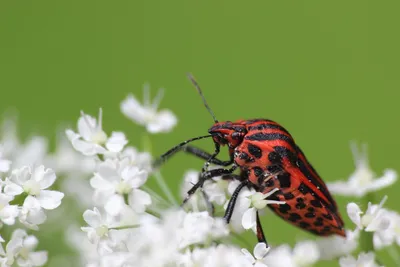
[(207, 156), (206, 176), (232, 201)]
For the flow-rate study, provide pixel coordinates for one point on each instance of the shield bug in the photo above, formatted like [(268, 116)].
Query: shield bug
[(267, 157)]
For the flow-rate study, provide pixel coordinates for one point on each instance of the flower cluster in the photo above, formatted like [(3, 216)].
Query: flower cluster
[(25, 196), (126, 223)]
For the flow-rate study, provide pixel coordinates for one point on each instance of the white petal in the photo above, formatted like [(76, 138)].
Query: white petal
[(389, 177), (38, 258), (138, 200), (87, 148), (99, 183), (132, 109), (86, 125), (21, 175), (30, 242), (13, 189), (116, 142), (50, 199), (92, 217), (248, 256), (260, 251), (46, 179), (114, 205), (344, 189), (249, 218), (164, 121), (354, 212)]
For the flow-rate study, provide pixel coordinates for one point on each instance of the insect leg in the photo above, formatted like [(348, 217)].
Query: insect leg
[(260, 232), (232, 201), (208, 175), (207, 156)]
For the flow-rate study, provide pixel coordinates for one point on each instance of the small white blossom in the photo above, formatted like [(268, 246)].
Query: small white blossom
[(142, 160), (373, 220), (390, 235), (20, 250), (114, 179), (258, 201), (363, 180), (260, 252), (363, 260), (98, 225), (147, 115), (31, 213), (8, 212), (91, 139), (34, 183)]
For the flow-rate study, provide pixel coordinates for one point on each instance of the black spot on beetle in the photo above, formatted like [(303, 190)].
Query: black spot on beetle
[(304, 225), (284, 208), (293, 217), (316, 203), (300, 205), (284, 180), (309, 215), (303, 189), (254, 150), (288, 196), (274, 158)]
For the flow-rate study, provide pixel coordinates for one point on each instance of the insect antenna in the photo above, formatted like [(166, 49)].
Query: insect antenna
[(164, 157), (196, 85)]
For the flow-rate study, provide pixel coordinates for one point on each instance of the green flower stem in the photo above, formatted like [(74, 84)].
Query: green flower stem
[(125, 227), (366, 241), (164, 187)]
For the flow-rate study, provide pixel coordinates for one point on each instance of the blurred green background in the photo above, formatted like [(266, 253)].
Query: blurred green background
[(327, 70)]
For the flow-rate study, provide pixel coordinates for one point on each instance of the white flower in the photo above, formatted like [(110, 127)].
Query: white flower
[(336, 246), (363, 180), (31, 213), (91, 139), (114, 179), (373, 220), (20, 250), (142, 160), (34, 183), (363, 260), (260, 252), (258, 201), (304, 254), (8, 212), (98, 225), (156, 122), (391, 234)]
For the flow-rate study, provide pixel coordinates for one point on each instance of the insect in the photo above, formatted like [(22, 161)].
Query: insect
[(267, 157)]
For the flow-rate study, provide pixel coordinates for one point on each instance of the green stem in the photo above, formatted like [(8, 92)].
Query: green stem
[(164, 187), (125, 227)]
